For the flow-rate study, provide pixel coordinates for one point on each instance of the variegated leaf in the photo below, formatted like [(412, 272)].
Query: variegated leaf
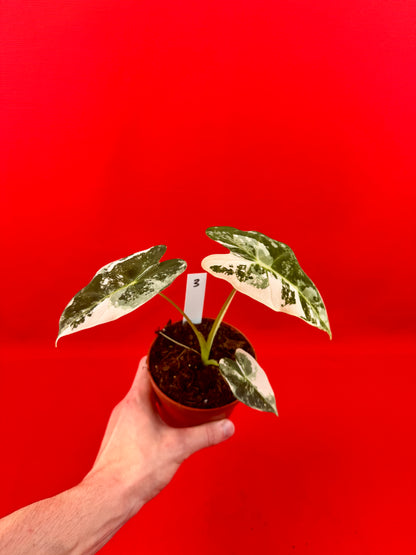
[(119, 288), (248, 382), (267, 271)]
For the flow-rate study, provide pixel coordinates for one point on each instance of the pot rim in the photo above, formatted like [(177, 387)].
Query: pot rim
[(194, 410)]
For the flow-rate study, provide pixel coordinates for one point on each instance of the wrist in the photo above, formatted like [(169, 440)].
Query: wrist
[(113, 505), (114, 491)]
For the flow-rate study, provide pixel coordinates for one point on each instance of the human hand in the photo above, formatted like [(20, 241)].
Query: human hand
[(140, 451), (138, 457)]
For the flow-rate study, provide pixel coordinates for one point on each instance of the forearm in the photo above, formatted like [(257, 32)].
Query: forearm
[(79, 521), (138, 457)]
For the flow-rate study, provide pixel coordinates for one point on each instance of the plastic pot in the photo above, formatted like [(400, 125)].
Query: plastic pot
[(177, 414)]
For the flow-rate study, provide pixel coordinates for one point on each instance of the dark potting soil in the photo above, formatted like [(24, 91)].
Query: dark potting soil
[(179, 372)]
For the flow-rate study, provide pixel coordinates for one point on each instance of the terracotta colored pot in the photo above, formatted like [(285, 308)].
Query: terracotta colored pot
[(179, 415)]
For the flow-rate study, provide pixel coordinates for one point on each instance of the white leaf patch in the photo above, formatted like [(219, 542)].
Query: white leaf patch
[(119, 288), (268, 272), (248, 382), (230, 267)]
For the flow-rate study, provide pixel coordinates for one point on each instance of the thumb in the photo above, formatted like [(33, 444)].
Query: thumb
[(206, 435)]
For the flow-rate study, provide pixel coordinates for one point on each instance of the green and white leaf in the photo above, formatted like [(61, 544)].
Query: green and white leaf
[(119, 288), (267, 271), (248, 382)]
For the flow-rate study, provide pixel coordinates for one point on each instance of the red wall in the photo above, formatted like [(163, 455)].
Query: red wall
[(129, 124)]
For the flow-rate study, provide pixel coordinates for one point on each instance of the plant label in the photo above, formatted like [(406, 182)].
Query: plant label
[(195, 295)]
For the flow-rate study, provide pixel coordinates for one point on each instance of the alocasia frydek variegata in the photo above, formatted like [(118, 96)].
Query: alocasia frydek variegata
[(256, 265)]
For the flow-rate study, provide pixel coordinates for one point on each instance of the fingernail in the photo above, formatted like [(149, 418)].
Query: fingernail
[(228, 428)]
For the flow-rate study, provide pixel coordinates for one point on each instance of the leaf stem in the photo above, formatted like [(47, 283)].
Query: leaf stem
[(177, 342), (181, 311), (219, 319), (201, 339), (205, 345)]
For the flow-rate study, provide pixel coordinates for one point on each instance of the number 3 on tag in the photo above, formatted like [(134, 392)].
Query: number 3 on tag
[(195, 295)]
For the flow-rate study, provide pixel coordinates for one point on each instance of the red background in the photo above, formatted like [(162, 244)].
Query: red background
[(129, 124)]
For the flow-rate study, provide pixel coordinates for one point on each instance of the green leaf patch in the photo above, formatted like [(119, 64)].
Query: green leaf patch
[(267, 271), (248, 382), (119, 288)]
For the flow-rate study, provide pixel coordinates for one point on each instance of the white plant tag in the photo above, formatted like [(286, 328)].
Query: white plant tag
[(195, 295)]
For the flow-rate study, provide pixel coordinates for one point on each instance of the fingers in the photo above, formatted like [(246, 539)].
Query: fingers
[(141, 388), (189, 440), (207, 435), (141, 378), (141, 392)]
